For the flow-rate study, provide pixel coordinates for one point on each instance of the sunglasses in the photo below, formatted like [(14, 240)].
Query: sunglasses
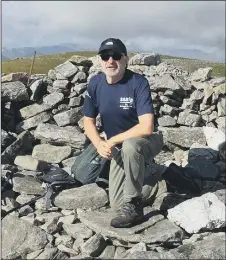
[(115, 56)]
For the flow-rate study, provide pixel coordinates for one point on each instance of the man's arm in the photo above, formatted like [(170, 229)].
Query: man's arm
[(144, 128), (91, 130)]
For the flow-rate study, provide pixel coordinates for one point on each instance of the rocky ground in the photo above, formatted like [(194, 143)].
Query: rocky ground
[(42, 126)]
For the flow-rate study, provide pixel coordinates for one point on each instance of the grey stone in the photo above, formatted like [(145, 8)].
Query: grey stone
[(108, 253), (80, 88), (49, 102), (89, 196), (119, 251), (33, 121), (94, 246), (27, 185), (214, 137), (23, 143), (184, 136), (170, 101), (78, 230), (79, 77), (189, 104), (69, 117), (48, 253), (80, 60), (164, 82), (221, 194), (30, 163), (197, 95), (13, 91), (145, 59), (48, 217), (221, 106), (100, 222), (221, 123), (15, 76), (52, 74), (210, 247), (67, 69), (168, 110), (75, 101), (167, 121), (24, 198), (37, 89), (61, 84), (69, 135), (34, 254), (188, 119), (51, 153), (208, 213), (69, 162), (64, 240), (202, 74), (20, 237), (154, 255), (6, 139)]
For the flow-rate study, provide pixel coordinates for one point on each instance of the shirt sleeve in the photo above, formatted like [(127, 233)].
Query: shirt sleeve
[(143, 99), (90, 108)]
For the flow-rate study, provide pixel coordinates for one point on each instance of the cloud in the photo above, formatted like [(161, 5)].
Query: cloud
[(143, 25)]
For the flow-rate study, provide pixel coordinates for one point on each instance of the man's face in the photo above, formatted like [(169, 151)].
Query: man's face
[(113, 64)]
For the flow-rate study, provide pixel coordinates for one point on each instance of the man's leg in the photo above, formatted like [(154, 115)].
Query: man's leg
[(127, 172)]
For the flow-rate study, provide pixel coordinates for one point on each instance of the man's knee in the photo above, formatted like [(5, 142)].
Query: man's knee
[(131, 146)]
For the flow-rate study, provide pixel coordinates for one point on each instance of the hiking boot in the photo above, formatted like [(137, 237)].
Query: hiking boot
[(129, 215)]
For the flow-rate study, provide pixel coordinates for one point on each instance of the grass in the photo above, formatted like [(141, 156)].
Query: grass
[(43, 64)]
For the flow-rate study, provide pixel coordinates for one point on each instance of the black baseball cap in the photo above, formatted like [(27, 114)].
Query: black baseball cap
[(114, 45)]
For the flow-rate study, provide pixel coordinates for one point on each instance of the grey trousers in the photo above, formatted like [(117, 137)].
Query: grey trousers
[(128, 177)]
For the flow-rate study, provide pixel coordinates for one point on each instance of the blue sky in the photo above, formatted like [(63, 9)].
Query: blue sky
[(195, 27)]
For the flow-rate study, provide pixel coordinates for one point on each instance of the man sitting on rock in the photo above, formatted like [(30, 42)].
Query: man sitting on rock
[(123, 100)]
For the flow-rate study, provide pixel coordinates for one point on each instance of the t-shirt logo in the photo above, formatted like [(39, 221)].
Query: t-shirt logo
[(126, 102)]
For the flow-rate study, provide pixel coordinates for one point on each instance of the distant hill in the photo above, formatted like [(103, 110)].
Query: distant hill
[(13, 53)]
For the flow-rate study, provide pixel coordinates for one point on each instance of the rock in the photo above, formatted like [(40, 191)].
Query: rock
[(6, 139), (69, 135), (184, 136), (221, 123), (208, 213), (197, 95), (86, 197), (201, 74), (69, 117), (13, 91), (27, 185), (167, 121), (108, 253), (48, 217), (48, 103), (119, 251), (145, 59), (34, 254), (60, 84), (214, 137), (29, 163), (67, 219), (22, 144), (33, 122), (210, 247), (221, 106), (50, 153), (67, 69), (100, 222), (80, 60), (80, 88), (37, 89), (52, 74), (188, 119), (20, 237), (18, 76), (78, 230), (75, 101), (79, 77), (94, 246), (48, 253), (221, 195), (164, 82), (64, 240)]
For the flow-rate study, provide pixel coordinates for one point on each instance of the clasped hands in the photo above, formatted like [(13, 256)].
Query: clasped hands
[(104, 148)]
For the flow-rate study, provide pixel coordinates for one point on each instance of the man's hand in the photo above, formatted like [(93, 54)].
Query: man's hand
[(104, 149)]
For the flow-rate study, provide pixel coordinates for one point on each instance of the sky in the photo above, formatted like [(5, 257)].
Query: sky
[(196, 28)]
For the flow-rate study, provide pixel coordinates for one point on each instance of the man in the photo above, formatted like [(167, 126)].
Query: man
[(123, 100)]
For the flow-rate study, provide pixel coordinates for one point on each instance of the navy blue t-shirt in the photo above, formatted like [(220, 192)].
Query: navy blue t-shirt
[(119, 104)]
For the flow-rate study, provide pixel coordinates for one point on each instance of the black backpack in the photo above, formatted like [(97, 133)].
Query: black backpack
[(90, 167)]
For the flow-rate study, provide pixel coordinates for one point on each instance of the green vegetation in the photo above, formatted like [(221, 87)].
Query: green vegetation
[(44, 63)]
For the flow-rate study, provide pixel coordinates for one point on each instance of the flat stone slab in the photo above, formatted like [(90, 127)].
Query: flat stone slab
[(14, 91), (68, 135), (89, 196), (100, 222)]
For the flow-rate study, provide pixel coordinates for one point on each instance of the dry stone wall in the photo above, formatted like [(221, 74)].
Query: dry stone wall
[(42, 126)]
